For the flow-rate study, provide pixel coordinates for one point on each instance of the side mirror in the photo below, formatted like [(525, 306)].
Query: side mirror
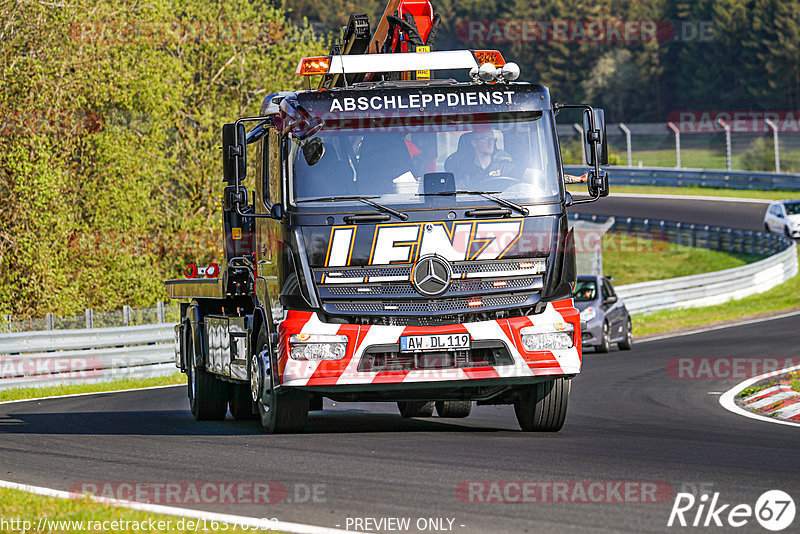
[(313, 150), (595, 140), (598, 184), (276, 211), (234, 153), (610, 300)]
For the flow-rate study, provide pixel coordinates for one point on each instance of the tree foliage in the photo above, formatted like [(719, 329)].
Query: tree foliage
[(109, 154)]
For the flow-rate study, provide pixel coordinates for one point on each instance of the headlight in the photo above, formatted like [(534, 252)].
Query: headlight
[(588, 314), (534, 341), (317, 347)]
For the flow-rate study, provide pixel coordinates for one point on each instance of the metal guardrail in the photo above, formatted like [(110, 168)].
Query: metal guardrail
[(707, 288), (720, 179), (61, 357)]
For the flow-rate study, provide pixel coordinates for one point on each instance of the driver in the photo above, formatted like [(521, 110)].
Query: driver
[(478, 160)]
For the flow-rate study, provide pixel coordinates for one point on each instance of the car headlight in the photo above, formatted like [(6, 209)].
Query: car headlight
[(588, 314), (317, 347), (534, 340)]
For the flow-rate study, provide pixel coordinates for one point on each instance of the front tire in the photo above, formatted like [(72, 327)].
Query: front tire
[(415, 408), (543, 407), (627, 343), (605, 340), (280, 412), (454, 409), (208, 395)]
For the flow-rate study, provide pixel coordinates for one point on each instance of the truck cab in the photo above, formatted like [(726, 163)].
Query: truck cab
[(398, 240)]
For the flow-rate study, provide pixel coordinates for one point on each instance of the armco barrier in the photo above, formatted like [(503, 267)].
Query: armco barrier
[(708, 288), (60, 357), (719, 179)]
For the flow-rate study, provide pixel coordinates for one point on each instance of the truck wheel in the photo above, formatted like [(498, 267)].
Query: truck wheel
[(283, 412), (415, 408), (455, 409), (627, 343), (240, 403), (543, 407), (605, 341), (208, 396)]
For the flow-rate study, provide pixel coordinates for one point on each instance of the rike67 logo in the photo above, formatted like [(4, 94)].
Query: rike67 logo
[(774, 510)]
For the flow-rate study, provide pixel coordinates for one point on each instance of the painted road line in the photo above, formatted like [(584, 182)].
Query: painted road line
[(88, 393), (769, 400), (718, 327), (787, 412), (237, 520), (727, 399), (758, 394)]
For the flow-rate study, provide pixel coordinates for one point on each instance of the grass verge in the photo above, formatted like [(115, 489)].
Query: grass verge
[(630, 259), (694, 191), (85, 515), (114, 385), (783, 297)]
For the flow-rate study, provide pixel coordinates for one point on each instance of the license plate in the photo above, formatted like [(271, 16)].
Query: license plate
[(434, 342)]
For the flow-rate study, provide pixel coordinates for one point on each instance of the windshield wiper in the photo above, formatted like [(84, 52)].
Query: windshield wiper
[(485, 194), (366, 200)]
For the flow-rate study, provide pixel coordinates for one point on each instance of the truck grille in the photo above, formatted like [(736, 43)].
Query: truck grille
[(434, 306), (457, 286), (389, 358)]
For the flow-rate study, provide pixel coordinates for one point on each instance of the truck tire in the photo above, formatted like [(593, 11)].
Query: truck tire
[(605, 341), (284, 412), (415, 408), (454, 409), (208, 395), (627, 343), (543, 407), (240, 403)]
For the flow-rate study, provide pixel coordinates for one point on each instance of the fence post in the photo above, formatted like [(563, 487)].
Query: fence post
[(7, 319), (89, 318), (678, 234), (628, 142), (677, 132), (49, 321), (160, 311), (126, 315), (774, 129), (727, 142)]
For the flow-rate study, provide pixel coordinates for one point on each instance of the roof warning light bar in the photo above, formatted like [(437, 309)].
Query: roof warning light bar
[(399, 62)]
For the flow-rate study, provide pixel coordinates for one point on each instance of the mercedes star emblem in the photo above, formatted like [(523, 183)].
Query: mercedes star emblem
[(431, 275)]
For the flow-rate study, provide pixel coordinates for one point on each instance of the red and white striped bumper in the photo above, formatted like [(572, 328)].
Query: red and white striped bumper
[(300, 373)]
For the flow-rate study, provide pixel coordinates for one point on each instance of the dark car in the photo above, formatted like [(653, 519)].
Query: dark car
[(607, 320)]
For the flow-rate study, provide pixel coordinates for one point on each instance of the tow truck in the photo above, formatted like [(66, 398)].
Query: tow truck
[(391, 234)]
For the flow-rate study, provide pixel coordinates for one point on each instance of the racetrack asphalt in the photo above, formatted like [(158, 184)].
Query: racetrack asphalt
[(629, 419), (738, 215)]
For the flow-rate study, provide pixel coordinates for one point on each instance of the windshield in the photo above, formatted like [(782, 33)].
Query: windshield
[(411, 164), (585, 290), (792, 208)]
